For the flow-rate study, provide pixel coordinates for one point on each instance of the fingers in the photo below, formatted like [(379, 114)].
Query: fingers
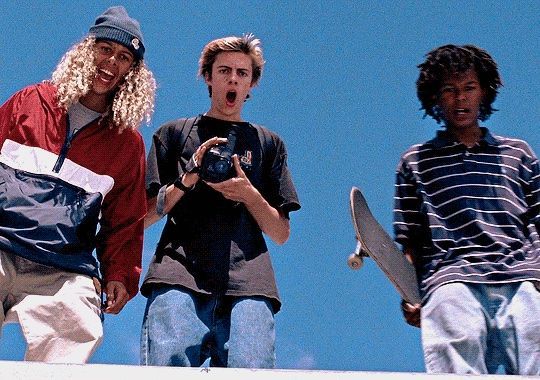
[(231, 189), (201, 150), (238, 167), (231, 186), (411, 313), (117, 297), (97, 285), (225, 187)]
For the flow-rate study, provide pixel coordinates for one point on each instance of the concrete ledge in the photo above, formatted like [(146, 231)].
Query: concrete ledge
[(13, 370)]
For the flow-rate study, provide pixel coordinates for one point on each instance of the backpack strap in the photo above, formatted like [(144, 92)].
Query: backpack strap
[(266, 142), (180, 134)]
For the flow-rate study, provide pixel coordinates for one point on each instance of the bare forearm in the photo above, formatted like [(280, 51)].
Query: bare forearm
[(269, 219), (240, 189), (151, 215), (172, 196)]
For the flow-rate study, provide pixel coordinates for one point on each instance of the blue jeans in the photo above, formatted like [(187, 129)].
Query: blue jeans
[(183, 328), (475, 328)]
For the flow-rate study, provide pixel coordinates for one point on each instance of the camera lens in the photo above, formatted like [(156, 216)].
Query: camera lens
[(216, 165), (221, 167)]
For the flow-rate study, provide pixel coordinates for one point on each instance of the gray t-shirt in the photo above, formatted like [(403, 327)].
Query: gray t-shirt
[(79, 116)]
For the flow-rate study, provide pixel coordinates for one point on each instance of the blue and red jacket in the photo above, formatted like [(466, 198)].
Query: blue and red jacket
[(65, 195)]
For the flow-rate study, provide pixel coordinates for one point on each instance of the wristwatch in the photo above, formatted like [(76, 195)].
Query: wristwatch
[(178, 184)]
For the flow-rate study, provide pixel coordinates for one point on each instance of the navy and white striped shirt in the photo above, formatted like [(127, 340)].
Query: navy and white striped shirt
[(469, 214)]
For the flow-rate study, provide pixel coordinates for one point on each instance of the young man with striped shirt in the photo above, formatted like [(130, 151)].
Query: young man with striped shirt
[(467, 214)]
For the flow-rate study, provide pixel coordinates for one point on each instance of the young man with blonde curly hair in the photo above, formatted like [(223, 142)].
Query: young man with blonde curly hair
[(71, 161), (222, 182)]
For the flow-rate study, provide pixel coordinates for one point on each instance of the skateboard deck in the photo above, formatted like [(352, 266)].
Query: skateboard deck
[(374, 242)]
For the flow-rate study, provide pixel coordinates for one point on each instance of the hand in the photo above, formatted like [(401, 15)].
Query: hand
[(191, 177), (117, 297), (237, 189), (411, 313), (201, 150)]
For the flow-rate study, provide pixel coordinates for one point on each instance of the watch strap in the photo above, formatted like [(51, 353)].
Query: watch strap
[(178, 184)]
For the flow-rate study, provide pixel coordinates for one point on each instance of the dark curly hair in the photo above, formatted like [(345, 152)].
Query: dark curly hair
[(451, 59)]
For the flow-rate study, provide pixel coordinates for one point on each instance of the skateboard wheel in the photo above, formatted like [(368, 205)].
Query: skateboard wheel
[(355, 262)]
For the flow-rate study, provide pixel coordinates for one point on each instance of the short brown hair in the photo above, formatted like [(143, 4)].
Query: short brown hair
[(247, 44)]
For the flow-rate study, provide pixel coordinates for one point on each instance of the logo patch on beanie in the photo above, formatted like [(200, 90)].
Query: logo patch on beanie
[(135, 43)]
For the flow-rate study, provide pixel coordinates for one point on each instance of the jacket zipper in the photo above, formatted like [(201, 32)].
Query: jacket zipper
[(67, 144)]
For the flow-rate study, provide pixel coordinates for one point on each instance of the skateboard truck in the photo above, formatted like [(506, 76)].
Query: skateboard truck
[(356, 259)]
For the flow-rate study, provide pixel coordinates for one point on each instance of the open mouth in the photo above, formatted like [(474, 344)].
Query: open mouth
[(105, 75), (231, 97), (461, 111)]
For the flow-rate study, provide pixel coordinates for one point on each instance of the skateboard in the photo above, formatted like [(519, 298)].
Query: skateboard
[(373, 241)]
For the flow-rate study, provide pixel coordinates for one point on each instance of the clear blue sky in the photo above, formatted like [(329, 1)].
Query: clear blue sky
[(339, 87)]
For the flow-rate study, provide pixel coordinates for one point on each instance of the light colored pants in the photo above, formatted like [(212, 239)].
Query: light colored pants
[(475, 328), (184, 329), (59, 312)]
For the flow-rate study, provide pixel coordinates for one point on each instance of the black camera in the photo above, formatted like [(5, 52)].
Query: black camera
[(217, 164)]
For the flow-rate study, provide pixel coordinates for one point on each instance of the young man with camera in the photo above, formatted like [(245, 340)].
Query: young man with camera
[(223, 183)]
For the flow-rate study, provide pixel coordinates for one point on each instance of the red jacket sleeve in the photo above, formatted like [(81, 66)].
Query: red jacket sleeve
[(120, 238), (9, 113)]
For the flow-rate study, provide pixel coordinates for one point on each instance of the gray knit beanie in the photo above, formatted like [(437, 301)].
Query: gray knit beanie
[(116, 25)]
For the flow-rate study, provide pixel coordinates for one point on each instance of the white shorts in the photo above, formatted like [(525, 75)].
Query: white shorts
[(59, 312)]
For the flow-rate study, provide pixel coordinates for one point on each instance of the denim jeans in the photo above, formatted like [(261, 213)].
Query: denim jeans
[(475, 328), (183, 328)]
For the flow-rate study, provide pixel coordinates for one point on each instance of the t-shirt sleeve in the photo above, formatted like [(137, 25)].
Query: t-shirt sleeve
[(407, 215), (281, 190), (161, 165)]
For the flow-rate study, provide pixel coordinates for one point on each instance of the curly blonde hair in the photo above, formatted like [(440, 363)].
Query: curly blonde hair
[(133, 101)]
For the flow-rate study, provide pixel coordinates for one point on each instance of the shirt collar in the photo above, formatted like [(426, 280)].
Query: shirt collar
[(224, 124), (443, 138)]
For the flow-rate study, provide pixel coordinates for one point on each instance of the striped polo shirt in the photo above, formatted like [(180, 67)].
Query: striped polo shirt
[(469, 214)]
